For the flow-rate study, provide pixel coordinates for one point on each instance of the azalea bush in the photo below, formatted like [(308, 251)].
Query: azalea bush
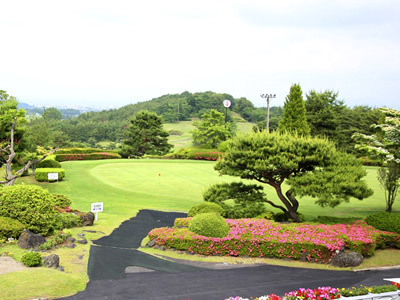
[(264, 238)]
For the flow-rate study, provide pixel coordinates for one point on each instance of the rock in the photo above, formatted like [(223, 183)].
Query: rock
[(61, 268), (347, 258), (162, 248), (52, 261), (80, 234), (304, 256), (151, 243), (71, 239), (86, 218), (156, 247), (80, 256), (28, 240), (82, 241), (70, 245)]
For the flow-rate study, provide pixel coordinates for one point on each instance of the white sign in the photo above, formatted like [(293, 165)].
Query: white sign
[(52, 176), (97, 207), (227, 103)]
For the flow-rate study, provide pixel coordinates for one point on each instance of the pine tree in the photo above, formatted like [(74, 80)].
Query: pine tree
[(146, 135), (294, 113)]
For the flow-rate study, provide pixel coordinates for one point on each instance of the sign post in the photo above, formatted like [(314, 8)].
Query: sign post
[(96, 208), (227, 104)]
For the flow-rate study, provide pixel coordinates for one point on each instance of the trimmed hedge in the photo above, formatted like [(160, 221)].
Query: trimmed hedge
[(48, 163), (10, 228), (31, 205), (210, 225), (87, 156), (83, 151), (41, 174), (205, 207), (385, 221)]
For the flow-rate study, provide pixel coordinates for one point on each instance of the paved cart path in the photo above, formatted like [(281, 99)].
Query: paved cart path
[(118, 271)]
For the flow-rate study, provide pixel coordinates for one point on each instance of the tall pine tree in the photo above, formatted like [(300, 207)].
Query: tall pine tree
[(294, 113)]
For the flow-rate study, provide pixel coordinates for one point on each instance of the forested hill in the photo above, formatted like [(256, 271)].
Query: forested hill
[(110, 124)]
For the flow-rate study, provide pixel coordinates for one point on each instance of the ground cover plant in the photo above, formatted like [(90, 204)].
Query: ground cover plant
[(264, 238), (125, 186)]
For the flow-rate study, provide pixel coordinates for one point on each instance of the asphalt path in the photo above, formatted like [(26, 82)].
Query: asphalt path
[(117, 270)]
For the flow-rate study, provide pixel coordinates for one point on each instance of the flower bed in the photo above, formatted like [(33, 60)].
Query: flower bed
[(321, 293), (264, 238)]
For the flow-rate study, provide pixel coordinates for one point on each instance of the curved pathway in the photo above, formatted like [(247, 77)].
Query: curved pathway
[(118, 271)]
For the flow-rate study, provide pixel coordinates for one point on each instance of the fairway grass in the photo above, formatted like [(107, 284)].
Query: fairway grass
[(125, 187)]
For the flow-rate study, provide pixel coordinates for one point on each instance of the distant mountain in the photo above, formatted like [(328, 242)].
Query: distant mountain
[(66, 112)]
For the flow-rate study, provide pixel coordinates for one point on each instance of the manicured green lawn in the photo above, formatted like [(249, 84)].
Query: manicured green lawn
[(126, 186)]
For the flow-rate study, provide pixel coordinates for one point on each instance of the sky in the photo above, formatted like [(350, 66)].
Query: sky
[(108, 54)]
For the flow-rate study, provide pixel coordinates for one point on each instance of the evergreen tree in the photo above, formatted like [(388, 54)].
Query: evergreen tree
[(309, 166), (294, 113), (145, 135), (211, 130)]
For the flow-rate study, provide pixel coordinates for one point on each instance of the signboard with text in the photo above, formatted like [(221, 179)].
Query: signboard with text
[(96, 207), (52, 176)]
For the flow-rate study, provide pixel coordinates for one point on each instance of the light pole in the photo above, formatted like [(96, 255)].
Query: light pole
[(267, 97)]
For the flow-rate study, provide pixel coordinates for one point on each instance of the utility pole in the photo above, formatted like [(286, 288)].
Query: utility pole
[(267, 97)]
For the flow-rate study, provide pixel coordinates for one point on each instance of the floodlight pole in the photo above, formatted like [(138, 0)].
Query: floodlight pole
[(267, 97)]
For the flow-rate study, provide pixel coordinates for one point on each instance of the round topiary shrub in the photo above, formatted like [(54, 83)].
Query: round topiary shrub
[(385, 221), (10, 228), (31, 259), (210, 225), (48, 163), (205, 207), (32, 205)]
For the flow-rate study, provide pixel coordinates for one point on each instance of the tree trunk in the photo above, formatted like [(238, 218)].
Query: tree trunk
[(291, 210)]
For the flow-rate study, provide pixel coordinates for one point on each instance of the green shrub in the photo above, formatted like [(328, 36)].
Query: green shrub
[(57, 239), (385, 221), (31, 259), (68, 220), (10, 228), (205, 207), (248, 199), (48, 163), (42, 174), (82, 151), (328, 220), (61, 200), (87, 156), (32, 205), (268, 215), (283, 217), (210, 225)]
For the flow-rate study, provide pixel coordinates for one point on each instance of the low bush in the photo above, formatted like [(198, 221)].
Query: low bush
[(57, 239), (335, 220), (204, 154), (48, 163), (68, 220), (268, 215), (182, 222), (283, 217), (61, 200), (248, 199), (31, 259), (209, 225), (385, 221), (205, 207), (87, 156), (42, 174), (263, 238), (83, 151), (10, 228), (29, 204)]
